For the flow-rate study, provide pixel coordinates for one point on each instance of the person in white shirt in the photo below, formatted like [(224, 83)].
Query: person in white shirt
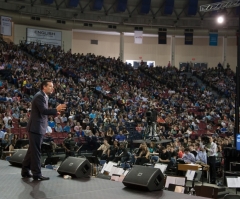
[(212, 153), (6, 118), (49, 129)]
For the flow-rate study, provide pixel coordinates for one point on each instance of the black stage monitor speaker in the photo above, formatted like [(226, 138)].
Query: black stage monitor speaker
[(18, 157), (75, 167), (144, 178)]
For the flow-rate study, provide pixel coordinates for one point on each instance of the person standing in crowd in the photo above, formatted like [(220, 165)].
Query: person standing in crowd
[(37, 126), (212, 153), (153, 126)]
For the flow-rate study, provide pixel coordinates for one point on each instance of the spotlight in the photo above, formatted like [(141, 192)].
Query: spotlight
[(220, 19)]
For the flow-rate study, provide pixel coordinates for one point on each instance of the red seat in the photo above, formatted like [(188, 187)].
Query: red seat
[(16, 121), (23, 130), (59, 135), (54, 135), (64, 134), (15, 130)]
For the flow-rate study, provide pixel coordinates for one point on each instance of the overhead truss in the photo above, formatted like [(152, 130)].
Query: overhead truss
[(219, 5)]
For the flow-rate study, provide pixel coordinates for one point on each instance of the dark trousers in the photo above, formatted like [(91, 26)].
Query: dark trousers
[(141, 161), (32, 160), (212, 164), (104, 157), (121, 159), (69, 153)]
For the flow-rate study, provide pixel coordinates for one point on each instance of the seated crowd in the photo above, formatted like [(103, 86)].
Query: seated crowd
[(107, 101)]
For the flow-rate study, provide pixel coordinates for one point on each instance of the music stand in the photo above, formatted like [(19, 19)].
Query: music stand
[(93, 160), (233, 182), (191, 176), (77, 151)]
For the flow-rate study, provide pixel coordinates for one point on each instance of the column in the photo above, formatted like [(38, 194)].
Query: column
[(121, 53), (224, 55), (172, 58)]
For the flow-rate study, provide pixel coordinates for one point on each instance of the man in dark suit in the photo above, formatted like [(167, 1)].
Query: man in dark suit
[(37, 126)]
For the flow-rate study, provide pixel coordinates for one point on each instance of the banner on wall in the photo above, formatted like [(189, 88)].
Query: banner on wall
[(6, 26), (162, 37), (44, 36), (188, 38), (138, 37), (213, 39)]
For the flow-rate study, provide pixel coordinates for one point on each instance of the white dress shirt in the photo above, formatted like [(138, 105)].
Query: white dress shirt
[(212, 150)]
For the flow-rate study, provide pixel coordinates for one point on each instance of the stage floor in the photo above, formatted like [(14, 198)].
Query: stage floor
[(12, 186)]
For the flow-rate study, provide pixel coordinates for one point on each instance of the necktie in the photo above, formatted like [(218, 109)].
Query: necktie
[(46, 99)]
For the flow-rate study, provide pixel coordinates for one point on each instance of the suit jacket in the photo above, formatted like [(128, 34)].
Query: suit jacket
[(38, 121)]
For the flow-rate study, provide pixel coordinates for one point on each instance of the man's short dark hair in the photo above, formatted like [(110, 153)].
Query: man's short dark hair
[(186, 150), (45, 83)]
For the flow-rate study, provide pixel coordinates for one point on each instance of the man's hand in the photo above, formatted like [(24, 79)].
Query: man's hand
[(61, 107)]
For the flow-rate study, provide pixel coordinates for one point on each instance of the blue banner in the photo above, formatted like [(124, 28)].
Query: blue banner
[(238, 142), (213, 39)]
